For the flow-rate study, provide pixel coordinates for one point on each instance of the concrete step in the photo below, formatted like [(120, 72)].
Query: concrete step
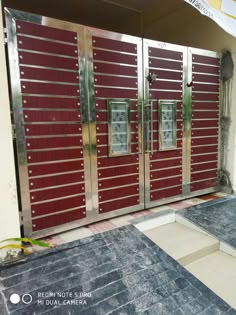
[(218, 272), (183, 243)]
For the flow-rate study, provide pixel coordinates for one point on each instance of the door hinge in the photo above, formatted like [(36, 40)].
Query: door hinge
[(13, 128)]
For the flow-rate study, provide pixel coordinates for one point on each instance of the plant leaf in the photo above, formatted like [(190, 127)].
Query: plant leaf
[(27, 240), (16, 246)]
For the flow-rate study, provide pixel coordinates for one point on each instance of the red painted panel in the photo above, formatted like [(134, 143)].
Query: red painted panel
[(102, 105), (54, 193), (57, 205), (165, 74), (120, 181), (205, 97), (166, 173), (166, 85), (58, 219), (205, 123), (50, 102), (205, 114), (210, 183), (118, 193), (118, 204), (208, 149), (49, 88), (206, 69), (166, 95), (205, 87), (203, 175), (48, 75), (203, 141), (204, 158), (114, 57), (166, 154), (116, 171), (59, 129), (51, 116), (112, 44), (103, 128), (166, 163), (55, 155), (204, 132), (206, 78), (58, 142), (34, 44), (115, 161), (207, 60), (164, 53), (27, 58), (57, 180), (44, 169), (165, 182), (46, 32), (100, 67), (204, 167), (115, 93), (168, 192), (205, 106), (165, 64), (103, 150), (102, 116), (115, 81)]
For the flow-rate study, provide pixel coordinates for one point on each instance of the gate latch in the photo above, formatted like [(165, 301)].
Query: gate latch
[(151, 77)]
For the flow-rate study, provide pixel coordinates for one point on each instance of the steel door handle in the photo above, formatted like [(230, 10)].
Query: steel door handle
[(150, 105)]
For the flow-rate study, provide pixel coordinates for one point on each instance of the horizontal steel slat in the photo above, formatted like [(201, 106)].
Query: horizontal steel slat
[(103, 128), (111, 194), (165, 182), (56, 180), (49, 89), (203, 175), (204, 141), (165, 95), (209, 183), (57, 205), (50, 130), (204, 132), (203, 167), (28, 58), (205, 97), (113, 44), (166, 163), (54, 155), (202, 150), (166, 173), (117, 171), (119, 204), (30, 73), (101, 67), (115, 93), (205, 78), (47, 169), (165, 53), (205, 69), (166, 75), (115, 81), (205, 106), (50, 102), (120, 181), (34, 44), (165, 64), (114, 57), (215, 61), (204, 158), (205, 87), (102, 105), (205, 114), (58, 219), (165, 85), (166, 154), (33, 29), (51, 116), (166, 193), (58, 142), (115, 161), (53, 193), (205, 123)]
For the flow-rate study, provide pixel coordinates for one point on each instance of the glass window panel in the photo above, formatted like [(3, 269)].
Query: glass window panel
[(119, 126), (167, 125)]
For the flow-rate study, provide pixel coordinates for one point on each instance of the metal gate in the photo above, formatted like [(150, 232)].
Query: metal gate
[(106, 123)]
